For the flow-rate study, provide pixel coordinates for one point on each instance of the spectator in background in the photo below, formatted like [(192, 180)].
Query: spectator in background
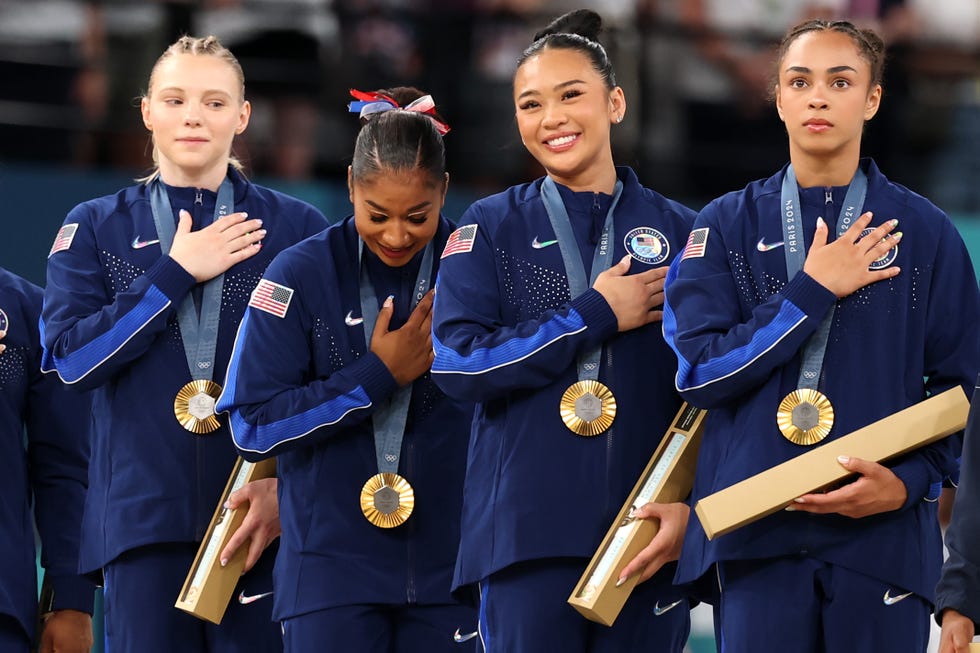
[(287, 48), (731, 135), (945, 83)]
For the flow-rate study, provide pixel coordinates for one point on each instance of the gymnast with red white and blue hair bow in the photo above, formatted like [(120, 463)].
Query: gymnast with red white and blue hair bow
[(336, 386), (371, 102)]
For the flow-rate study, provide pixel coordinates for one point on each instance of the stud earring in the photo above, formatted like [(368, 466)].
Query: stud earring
[(619, 119)]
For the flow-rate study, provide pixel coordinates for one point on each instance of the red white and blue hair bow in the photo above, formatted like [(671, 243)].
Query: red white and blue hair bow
[(370, 103)]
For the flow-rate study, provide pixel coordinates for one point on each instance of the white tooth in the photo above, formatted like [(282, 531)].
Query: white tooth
[(562, 140)]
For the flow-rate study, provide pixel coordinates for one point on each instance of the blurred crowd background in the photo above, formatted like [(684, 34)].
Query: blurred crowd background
[(695, 72)]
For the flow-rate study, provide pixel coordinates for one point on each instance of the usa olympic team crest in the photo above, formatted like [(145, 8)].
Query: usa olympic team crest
[(884, 261), (4, 322), (647, 245)]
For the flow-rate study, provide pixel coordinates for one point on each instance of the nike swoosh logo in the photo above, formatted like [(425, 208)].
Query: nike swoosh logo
[(140, 244), (888, 599), (352, 321), (657, 610), (245, 600), (762, 246), (536, 244), (459, 638)]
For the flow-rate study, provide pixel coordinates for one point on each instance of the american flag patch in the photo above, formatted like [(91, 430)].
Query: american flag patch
[(696, 243), (63, 240), (460, 241), (271, 297)]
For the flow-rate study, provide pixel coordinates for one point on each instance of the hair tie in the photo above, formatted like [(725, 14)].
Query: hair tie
[(370, 103)]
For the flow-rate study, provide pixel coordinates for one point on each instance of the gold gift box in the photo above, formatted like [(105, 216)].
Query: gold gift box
[(775, 488), (667, 478), (209, 586)]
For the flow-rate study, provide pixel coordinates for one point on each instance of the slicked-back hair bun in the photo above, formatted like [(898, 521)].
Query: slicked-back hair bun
[(577, 30), (583, 22)]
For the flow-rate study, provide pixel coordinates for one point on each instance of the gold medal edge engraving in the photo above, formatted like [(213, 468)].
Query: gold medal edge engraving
[(825, 416), (584, 427), (406, 500), (182, 406)]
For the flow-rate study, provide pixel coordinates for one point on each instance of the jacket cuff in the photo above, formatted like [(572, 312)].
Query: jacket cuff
[(374, 377), (804, 292), (172, 279), (914, 473), (70, 593), (597, 315)]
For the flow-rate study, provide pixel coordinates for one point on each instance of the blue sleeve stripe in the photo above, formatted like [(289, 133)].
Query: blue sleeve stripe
[(80, 363), (263, 438), (695, 377), (487, 359), (227, 396)]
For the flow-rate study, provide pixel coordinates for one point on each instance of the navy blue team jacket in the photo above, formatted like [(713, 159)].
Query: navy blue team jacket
[(506, 335), (303, 387), (738, 327), (51, 471), (959, 586), (110, 323)]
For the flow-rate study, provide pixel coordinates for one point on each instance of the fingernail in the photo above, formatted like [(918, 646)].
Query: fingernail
[(843, 459), (226, 505), (389, 301), (799, 500), (245, 215), (263, 231), (3, 333), (893, 223), (184, 212), (820, 223), (790, 509), (897, 235), (224, 561), (620, 582)]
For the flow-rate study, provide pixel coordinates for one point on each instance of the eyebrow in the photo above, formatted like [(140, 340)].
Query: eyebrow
[(411, 209), (832, 70), (558, 87), (209, 91)]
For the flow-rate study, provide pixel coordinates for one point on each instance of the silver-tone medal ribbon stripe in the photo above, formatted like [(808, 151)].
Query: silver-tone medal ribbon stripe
[(795, 253), (199, 334), (391, 416), (578, 283)]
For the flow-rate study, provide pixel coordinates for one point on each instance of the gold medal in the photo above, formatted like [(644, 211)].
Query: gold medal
[(805, 416), (387, 500), (194, 406), (588, 408)]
